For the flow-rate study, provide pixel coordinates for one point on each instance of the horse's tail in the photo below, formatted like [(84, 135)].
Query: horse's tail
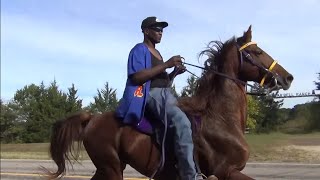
[(64, 134)]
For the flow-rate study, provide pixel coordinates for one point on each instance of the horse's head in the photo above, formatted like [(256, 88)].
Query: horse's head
[(257, 65)]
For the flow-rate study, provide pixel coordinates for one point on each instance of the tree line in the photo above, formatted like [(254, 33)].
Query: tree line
[(27, 118), (29, 115)]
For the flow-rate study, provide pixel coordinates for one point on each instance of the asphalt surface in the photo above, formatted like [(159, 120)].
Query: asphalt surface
[(31, 170)]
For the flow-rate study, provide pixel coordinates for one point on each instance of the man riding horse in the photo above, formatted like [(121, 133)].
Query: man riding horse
[(148, 88)]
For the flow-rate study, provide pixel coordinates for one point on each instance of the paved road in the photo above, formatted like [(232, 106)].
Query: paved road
[(30, 169)]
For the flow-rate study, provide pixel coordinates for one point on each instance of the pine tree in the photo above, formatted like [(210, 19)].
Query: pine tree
[(73, 103), (105, 100)]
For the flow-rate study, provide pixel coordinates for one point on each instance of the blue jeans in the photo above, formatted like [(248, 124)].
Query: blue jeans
[(160, 98)]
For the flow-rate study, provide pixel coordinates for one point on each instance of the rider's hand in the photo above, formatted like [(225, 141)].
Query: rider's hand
[(179, 70), (174, 61)]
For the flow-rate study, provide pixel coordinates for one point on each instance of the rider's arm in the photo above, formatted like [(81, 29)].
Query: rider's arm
[(137, 72), (145, 75)]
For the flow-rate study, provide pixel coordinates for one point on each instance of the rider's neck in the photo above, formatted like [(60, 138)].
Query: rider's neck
[(149, 44)]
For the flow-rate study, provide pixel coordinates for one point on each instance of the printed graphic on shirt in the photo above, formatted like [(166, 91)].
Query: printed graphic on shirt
[(138, 92)]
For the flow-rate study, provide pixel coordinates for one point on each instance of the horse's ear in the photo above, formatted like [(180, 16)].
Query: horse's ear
[(247, 35)]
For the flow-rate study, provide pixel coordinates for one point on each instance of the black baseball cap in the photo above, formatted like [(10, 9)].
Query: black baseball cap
[(153, 21)]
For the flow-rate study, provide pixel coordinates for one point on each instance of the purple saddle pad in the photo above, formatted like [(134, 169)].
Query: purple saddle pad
[(144, 126)]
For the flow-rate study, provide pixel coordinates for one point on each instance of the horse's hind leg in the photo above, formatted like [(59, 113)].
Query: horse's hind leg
[(100, 142), (109, 166), (106, 160)]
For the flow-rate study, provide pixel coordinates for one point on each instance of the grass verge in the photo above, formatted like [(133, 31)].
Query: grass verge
[(31, 151), (273, 147)]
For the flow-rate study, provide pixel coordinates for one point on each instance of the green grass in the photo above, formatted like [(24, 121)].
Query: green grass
[(274, 147), (279, 147), (25, 151), (30, 151)]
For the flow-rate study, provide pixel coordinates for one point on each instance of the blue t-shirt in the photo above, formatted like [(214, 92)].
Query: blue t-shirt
[(132, 104)]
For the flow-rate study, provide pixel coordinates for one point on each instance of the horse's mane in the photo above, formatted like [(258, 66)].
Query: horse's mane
[(209, 83)]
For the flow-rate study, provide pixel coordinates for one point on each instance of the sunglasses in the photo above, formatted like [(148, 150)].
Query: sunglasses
[(156, 29)]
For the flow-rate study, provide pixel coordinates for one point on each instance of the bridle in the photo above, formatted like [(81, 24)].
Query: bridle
[(252, 61), (244, 55)]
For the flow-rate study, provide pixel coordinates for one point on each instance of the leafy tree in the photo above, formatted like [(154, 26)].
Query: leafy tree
[(10, 128), (283, 115), (190, 89), (269, 111), (40, 106), (315, 115), (105, 100), (253, 113), (27, 100), (302, 118)]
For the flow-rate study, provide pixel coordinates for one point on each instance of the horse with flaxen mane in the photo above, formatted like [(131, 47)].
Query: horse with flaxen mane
[(219, 101)]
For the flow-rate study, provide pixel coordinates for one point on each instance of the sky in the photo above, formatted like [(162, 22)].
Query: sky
[(86, 43)]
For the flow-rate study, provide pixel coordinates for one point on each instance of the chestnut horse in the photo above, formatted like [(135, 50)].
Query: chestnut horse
[(219, 101)]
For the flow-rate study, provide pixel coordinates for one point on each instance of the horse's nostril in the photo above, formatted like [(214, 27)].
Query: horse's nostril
[(289, 79)]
